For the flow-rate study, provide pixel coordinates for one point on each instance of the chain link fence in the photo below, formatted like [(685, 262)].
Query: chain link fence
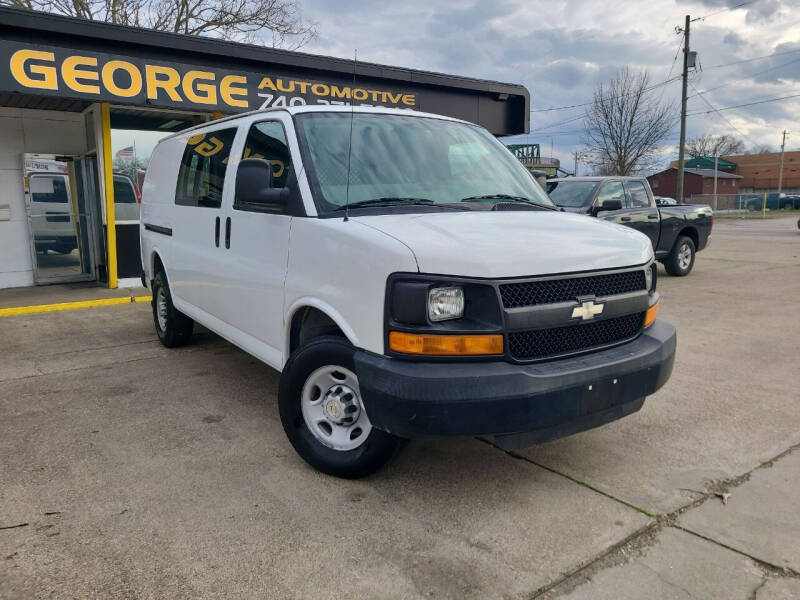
[(753, 201)]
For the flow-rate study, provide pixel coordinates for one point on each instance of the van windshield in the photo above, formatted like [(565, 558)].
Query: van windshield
[(408, 159)]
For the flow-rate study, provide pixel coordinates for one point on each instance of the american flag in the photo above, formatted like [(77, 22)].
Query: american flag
[(125, 152)]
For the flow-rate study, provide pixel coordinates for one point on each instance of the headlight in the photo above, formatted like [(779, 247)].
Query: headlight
[(445, 303), (650, 277)]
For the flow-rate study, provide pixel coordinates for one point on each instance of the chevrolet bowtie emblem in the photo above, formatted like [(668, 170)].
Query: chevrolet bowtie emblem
[(587, 310)]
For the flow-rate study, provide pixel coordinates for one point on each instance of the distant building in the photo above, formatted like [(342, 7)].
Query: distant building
[(759, 172), (695, 181)]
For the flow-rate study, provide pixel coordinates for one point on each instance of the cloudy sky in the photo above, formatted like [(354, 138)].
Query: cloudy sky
[(560, 49)]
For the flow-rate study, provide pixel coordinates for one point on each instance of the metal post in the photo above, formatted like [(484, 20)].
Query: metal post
[(764, 207), (716, 165), (108, 181), (679, 192)]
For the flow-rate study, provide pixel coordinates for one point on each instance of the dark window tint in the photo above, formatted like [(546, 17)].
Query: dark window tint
[(611, 191), (49, 188), (202, 171), (572, 194), (638, 194), (268, 140), (123, 191)]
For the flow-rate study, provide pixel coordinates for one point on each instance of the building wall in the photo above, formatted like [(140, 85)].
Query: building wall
[(724, 186), (666, 184), (25, 130), (760, 171)]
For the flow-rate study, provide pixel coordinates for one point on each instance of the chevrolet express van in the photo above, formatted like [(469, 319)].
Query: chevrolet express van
[(407, 277)]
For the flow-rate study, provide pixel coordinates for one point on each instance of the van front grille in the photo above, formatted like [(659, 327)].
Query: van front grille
[(543, 343), (549, 291)]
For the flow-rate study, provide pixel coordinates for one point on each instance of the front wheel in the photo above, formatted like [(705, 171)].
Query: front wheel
[(681, 260), (172, 326), (323, 414)]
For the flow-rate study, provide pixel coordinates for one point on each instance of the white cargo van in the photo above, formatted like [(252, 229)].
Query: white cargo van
[(406, 275)]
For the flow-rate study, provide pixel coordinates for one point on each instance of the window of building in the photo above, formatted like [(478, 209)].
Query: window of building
[(202, 171)]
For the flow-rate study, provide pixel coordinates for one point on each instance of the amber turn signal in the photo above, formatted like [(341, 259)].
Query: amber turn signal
[(650, 316), (445, 345)]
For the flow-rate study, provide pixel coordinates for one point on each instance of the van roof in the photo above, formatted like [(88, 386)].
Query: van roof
[(293, 110)]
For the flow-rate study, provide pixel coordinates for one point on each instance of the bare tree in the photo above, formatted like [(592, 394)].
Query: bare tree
[(625, 125), (237, 20), (714, 145)]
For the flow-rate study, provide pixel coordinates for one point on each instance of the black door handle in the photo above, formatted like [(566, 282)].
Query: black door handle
[(216, 232), (228, 232), (625, 219), (652, 216)]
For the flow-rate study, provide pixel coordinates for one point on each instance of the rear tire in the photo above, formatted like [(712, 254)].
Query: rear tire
[(680, 261), (172, 326), (322, 413)]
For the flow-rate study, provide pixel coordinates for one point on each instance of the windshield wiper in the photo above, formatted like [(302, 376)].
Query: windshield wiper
[(506, 197), (387, 201)]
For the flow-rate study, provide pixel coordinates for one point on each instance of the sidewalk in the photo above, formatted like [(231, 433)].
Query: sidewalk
[(73, 295)]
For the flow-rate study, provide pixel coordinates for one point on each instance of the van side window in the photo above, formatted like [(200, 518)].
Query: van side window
[(267, 140), (202, 171), (638, 195)]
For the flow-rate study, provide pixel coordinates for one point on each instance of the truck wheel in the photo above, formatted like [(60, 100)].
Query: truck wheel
[(681, 260), (323, 415), (787, 206), (172, 326)]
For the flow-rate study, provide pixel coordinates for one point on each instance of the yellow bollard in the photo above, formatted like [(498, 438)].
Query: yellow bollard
[(764, 207)]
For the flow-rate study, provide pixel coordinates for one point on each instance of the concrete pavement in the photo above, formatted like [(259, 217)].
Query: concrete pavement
[(130, 470)]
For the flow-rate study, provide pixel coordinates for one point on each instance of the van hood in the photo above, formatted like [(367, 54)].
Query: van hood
[(512, 243)]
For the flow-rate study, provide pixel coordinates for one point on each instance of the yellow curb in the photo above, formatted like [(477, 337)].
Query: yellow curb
[(42, 308)]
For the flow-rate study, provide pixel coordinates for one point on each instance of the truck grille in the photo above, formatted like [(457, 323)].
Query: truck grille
[(543, 343), (549, 291)]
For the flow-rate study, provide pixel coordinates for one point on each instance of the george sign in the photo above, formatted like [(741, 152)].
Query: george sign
[(94, 76)]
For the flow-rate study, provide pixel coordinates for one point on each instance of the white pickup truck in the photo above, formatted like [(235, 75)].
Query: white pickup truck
[(405, 274)]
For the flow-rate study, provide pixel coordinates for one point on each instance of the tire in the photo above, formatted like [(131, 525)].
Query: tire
[(321, 374), (787, 206), (172, 326), (681, 260)]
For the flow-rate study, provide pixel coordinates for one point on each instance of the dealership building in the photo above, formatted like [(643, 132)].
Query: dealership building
[(82, 104)]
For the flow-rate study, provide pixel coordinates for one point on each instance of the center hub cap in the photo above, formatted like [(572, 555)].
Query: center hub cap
[(340, 405)]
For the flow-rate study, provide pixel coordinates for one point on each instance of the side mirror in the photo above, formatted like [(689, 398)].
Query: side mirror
[(606, 205), (254, 180)]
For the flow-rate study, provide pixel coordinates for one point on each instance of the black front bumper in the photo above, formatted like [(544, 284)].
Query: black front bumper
[(519, 404)]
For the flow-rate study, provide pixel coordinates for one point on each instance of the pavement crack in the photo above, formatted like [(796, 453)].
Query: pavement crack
[(615, 554), (769, 568), (14, 526), (518, 456)]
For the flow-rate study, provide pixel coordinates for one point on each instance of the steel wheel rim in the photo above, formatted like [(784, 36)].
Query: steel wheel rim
[(684, 256), (325, 402), (161, 309)]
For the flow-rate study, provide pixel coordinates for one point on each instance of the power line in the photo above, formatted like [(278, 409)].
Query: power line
[(753, 74), (647, 89), (747, 60), (745, 104), (674, 60), (714, 108), (727, 8)]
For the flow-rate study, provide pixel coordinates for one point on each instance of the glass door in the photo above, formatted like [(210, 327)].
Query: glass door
[(60, 218)]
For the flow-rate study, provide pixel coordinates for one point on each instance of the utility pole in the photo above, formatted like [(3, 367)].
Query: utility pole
[(679, 191), (780, 170)]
